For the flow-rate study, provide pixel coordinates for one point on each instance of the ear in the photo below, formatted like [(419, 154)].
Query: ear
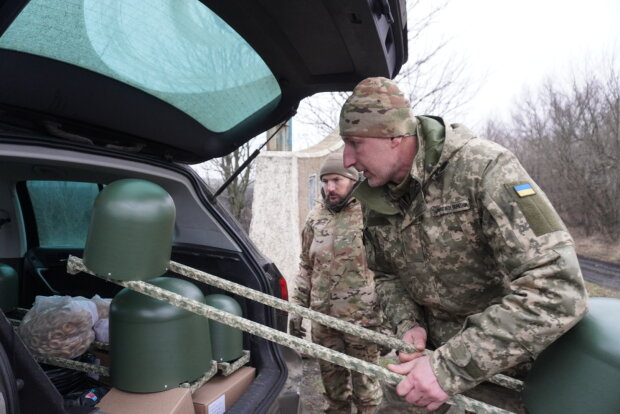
[(395, 142)]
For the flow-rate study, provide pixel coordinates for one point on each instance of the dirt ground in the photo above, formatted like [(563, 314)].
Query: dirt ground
[(311, 389)]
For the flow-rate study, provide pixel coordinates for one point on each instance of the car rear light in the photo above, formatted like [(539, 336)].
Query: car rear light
[(283, 289)]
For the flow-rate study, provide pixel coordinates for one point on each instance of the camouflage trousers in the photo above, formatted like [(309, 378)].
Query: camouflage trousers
[(342, 386)]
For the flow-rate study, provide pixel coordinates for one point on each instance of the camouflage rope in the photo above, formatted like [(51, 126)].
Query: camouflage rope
[(75, 265), (74, 365), (321, 318), (193, 386), (507, 382), (265, 299), (104, 346), (227, 368)]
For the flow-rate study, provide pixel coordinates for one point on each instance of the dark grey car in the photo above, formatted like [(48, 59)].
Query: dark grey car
[(96, 91)]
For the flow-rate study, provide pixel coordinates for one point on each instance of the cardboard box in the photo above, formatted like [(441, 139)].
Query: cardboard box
[(217, 395), (174, 401)]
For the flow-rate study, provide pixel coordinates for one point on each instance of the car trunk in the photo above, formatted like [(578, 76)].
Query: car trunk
[(207, 238)]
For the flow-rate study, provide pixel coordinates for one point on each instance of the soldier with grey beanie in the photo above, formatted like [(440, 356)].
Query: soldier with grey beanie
[(470, 257), (334, 279), (333, 166)]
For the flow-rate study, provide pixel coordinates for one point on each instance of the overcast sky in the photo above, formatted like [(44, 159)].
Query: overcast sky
[(509, 45)]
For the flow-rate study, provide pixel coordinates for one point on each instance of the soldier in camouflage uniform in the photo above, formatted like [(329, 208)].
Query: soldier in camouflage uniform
[(470, 258), (334, 279)]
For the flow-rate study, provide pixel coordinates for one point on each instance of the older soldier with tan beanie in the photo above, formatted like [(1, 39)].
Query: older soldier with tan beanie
[(470, 258), (334, 279)]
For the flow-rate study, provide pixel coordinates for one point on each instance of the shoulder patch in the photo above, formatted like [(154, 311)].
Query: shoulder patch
[(524, 190), (538, 212)]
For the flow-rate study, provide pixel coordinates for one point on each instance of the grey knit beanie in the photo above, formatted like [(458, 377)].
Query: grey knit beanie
[(333, 165)]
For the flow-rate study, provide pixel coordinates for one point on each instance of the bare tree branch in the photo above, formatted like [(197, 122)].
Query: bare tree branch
[(236, 198), (568, 138), (434, 83)]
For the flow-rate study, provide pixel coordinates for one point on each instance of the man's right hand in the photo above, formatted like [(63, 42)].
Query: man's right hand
[(417, 337), (295, 328)]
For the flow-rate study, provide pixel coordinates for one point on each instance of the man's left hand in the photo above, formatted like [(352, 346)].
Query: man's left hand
[(420, 386)]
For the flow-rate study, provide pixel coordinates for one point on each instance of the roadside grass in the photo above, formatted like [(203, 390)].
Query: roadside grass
[(596, 247), (595, 290)]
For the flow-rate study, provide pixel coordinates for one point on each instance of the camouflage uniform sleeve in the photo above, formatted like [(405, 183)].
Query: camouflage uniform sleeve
[(303, 280), (398, 307), (546, 293)]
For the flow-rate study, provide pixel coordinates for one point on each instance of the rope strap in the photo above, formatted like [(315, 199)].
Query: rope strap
[(193, 386), (227, 368), (76, 265), (74, 365), (265, 299), (334, 323)]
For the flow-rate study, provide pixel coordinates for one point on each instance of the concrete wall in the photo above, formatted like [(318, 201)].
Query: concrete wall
[(282, 201), (275, 210)]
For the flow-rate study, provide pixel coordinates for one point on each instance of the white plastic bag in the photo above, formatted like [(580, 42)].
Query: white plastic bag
[(102, 330), (103, 306), (59, 326)]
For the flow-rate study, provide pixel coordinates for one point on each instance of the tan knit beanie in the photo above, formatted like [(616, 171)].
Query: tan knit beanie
[(377, 108)]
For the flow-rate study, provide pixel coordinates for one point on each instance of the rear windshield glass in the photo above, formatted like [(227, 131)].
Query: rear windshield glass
[(179, 51), (62, 211)]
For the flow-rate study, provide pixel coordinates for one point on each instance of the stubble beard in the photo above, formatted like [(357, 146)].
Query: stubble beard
[(335, 203)]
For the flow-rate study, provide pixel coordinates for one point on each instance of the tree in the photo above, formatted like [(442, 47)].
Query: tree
[(434, 85), (236, 198), (567, 136)]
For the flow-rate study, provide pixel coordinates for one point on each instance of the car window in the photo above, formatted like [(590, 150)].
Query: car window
[(180, 52), (62, 211)]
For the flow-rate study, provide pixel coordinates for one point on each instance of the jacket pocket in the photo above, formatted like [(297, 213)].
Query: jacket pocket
[(378, 250)]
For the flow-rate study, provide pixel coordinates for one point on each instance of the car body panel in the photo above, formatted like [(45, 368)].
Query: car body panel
[(310, 47), (65, 123)]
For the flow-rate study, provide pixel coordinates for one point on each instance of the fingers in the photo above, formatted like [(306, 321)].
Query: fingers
[(405, 387), (417, 337), (404, 357), (403, 368), (420, 386), (415, 394), (420, 344)]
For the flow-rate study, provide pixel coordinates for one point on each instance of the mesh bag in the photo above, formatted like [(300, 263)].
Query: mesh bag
[(59, 326)]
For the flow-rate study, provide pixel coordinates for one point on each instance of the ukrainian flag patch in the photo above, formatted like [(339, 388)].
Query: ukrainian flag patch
[(524, 190)]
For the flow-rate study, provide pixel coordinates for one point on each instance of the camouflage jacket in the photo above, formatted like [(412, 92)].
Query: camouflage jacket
[(470, 248), (333, 276)]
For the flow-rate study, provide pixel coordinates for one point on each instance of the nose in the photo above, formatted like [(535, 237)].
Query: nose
[(330, 186), (348, 156)]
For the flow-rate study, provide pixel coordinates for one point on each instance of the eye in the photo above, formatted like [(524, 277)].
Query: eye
[(349, 142)]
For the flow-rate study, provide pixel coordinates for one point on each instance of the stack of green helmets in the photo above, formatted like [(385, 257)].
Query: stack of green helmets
[(154, 346)]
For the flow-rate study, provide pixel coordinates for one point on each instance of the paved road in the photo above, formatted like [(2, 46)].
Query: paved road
[(602, 273)]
